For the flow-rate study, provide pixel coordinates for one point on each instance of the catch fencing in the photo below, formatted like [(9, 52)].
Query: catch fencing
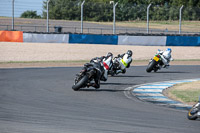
[(99, 18)]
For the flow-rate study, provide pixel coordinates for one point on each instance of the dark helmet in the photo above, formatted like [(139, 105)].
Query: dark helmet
[(109, 54), (129, 52)]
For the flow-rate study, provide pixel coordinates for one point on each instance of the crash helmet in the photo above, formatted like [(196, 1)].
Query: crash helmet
[(169, 49), (129, 52), (109, 54)]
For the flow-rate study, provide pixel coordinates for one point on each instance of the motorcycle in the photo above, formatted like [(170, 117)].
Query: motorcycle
[(155, 63), (86, 75), (194, 112), (116, 66)]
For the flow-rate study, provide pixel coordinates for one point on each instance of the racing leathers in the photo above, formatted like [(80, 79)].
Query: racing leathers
[(165, 56), (107, 63), (97, 75), (103, 64), (124, 62)]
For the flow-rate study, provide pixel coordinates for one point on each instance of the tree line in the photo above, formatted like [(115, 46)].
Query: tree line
[(126, 10)]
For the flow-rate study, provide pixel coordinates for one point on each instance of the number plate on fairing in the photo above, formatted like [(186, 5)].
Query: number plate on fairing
[(156, 58)]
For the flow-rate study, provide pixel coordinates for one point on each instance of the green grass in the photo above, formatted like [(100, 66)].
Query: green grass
[(79, 61), (187, 60), (187, 96), (190, 26)]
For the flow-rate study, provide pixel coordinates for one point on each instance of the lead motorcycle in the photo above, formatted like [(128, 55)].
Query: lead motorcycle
[(155, 63), (87, 75), (194, 112)]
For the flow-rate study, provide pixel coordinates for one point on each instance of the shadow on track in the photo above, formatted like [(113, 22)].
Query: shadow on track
[(96, 90), (128, 76), (118, 84), (172, 72)]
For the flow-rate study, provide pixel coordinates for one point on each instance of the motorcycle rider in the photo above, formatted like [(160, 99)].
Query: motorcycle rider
[(125, 61), (100, 59), (166, 57), (102, 64)]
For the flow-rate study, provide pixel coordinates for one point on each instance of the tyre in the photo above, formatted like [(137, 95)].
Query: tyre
[(192, 114), (111, 73), (151, 66), (155, 69), (80, 83)]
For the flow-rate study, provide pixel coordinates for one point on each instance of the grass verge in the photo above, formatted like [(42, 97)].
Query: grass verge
[(82, 61), (185, 92), (68, 63), (59, 61), (189, 26)]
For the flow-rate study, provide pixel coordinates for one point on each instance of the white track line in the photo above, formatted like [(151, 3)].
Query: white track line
[(152, 92)]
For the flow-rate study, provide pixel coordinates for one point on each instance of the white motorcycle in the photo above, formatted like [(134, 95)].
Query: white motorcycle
[(157, 62)]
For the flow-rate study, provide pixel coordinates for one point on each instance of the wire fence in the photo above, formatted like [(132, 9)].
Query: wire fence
[(98, 18)]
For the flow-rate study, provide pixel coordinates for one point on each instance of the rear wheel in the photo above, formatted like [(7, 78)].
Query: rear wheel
[(151, 65), (155, 69), (80, 83)]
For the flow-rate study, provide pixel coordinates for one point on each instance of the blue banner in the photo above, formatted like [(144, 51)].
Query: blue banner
[(183, 41), (93, 39)]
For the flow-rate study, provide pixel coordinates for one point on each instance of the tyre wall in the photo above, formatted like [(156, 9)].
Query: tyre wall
[(147, 40)]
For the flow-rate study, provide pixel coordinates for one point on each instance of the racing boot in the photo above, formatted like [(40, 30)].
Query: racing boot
[(118, 71)]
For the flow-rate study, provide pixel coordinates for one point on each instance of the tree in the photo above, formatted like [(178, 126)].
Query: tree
[(30, 14), (126, 10)]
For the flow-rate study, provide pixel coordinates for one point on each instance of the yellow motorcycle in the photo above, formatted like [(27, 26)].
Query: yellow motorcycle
[(155, 64)]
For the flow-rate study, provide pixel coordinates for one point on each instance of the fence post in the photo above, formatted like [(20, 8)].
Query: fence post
[(82, 16), (148, 18), (114, 7), (180, 18), (13, 1), (48, 15)]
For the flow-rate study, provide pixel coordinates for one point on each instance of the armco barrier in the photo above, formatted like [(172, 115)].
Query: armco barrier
[(183, 41), (93, 39), (46, 38), (151, 40), (11, 36), (142, 40)]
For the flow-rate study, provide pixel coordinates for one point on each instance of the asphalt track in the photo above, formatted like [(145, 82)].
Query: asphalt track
[(40, 100)]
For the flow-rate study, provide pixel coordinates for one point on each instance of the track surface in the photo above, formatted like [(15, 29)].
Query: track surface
[(41, 100)]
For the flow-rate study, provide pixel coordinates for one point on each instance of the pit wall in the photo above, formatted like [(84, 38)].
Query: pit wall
[(19, 36)]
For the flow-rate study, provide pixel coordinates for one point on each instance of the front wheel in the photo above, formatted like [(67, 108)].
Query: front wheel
[(192, 114), (151, 65), (78, 84)]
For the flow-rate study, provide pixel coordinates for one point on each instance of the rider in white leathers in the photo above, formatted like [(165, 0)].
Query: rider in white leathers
[(125, 61), (165, 56), (107, 63)]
